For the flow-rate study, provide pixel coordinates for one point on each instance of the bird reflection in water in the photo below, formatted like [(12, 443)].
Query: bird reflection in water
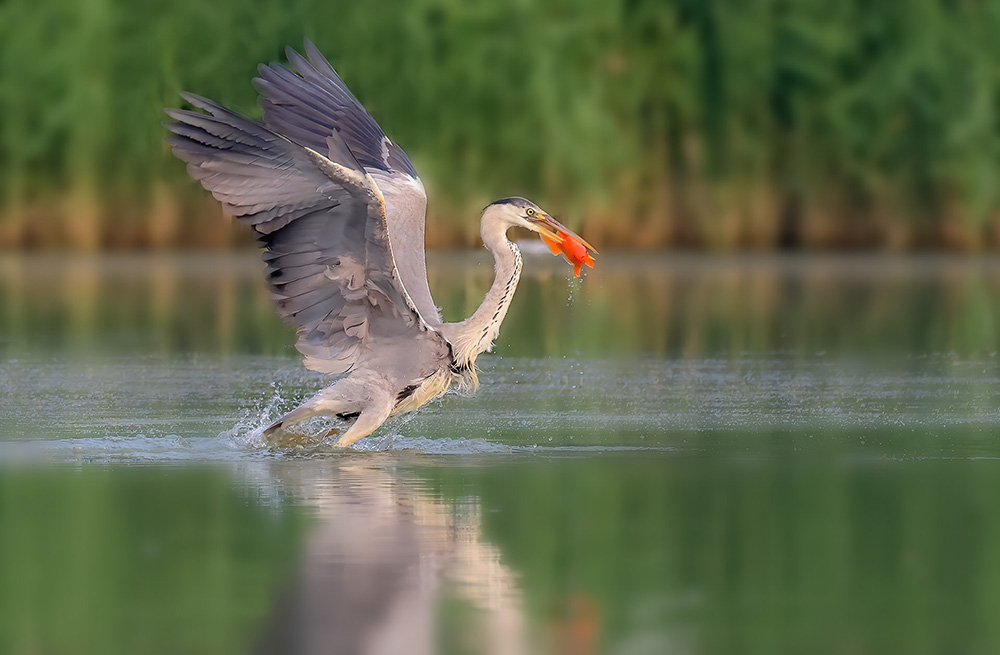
[(391, 568)]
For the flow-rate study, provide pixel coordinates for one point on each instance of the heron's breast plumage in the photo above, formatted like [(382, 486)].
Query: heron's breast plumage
[(431, 388)]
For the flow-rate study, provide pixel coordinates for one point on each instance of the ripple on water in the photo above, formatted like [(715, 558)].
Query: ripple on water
[(152, 450), (183, 409)]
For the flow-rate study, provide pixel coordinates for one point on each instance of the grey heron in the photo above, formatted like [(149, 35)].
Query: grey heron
[(338, 210)]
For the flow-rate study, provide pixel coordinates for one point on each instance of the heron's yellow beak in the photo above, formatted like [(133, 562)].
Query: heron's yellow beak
[(546, 232), (563, 241)]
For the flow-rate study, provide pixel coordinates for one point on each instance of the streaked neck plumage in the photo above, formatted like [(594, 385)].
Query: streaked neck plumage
[(475, 334)]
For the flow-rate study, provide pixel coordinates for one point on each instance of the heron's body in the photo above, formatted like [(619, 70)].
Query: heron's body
[(339, 212)]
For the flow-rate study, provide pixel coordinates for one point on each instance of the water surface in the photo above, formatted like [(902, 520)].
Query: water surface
[(679, 454)]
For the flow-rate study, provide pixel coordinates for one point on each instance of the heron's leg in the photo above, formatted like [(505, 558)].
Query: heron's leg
[(332, 400), (297, 415), (369, 420)]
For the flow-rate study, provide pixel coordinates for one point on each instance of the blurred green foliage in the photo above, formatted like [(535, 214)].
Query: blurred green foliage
[(712, 123)]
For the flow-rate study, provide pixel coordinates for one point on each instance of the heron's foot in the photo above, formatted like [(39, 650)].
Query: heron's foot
[(343, 442)]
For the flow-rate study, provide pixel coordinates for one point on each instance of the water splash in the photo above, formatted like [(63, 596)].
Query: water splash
[(248, 431)]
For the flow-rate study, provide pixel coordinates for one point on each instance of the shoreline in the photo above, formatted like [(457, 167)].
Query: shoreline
[(199, 224)]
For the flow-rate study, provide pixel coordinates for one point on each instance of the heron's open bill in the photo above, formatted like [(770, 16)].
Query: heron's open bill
[(339, 211)]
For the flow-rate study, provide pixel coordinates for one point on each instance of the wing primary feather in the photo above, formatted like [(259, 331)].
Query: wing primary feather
[(302, 181)]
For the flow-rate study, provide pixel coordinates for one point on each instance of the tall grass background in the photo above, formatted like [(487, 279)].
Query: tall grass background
[(691, 123)]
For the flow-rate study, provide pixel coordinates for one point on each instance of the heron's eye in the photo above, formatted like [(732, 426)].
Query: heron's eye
[(530, 212)]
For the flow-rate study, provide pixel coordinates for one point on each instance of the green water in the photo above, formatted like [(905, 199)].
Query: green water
[(679, 454)]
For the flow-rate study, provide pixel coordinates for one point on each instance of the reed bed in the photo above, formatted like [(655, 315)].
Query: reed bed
[(713, 124)]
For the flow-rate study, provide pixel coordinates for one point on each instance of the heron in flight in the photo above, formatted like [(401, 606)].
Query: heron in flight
[(339, 212)]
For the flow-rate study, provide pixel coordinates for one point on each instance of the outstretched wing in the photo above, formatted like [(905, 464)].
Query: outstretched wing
[(310, 104), (321, 222)]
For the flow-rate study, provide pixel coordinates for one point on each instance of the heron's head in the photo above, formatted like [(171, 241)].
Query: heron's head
[(520, 212)]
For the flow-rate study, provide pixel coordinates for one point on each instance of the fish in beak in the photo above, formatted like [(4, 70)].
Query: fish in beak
[(565, 242)]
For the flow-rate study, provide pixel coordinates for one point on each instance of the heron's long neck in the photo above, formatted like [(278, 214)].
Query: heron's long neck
[(475, 334)]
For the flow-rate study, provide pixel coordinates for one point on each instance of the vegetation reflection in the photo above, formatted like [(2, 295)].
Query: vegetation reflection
[(656, 305)]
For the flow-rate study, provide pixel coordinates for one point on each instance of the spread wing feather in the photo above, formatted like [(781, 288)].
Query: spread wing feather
[(321, 223), (310, 103)]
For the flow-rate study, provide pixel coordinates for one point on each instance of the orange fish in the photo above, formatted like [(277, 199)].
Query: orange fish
[(562, 241), (573, 249)]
